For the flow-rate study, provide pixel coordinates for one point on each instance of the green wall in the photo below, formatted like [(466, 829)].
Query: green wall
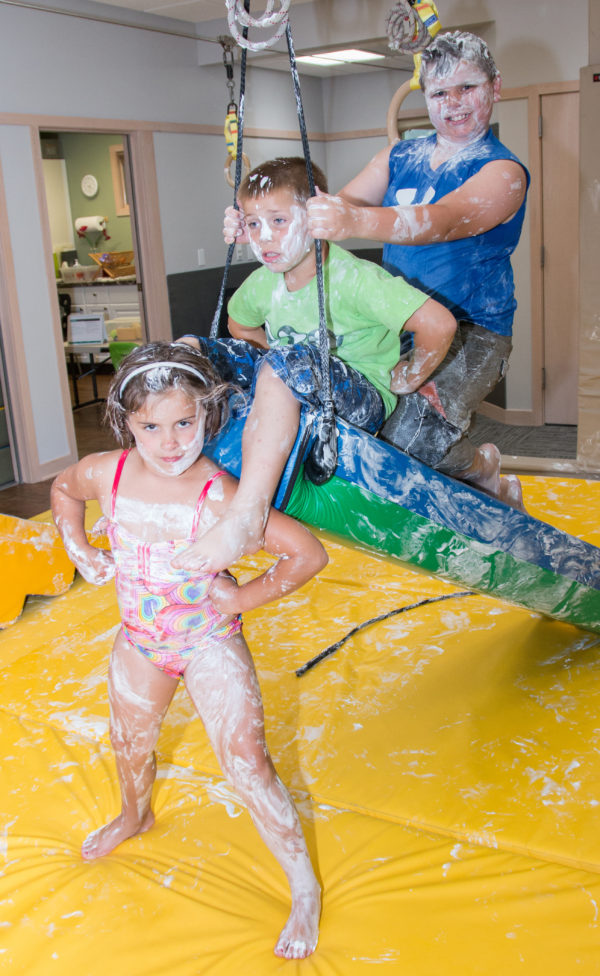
[(89, 153)]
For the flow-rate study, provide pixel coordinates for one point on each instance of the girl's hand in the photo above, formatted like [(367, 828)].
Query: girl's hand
[(332, 218), (224, 594), (234, 227), (97, 566)]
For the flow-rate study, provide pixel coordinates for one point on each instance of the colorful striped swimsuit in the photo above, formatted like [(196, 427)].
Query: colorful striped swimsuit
[(165, 611)]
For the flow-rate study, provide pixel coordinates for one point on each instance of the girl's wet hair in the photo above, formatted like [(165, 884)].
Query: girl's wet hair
[(282, 173), (446, 50), (153, 368)]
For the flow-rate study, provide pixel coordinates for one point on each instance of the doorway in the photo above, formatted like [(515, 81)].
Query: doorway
[(560, 237), (92, 226)]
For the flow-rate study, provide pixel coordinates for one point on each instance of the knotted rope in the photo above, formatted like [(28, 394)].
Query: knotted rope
[(272, 17), (408, 26)]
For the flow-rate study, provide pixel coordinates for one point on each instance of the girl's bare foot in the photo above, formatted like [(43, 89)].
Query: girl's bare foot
[(105, 839), (300, 934)]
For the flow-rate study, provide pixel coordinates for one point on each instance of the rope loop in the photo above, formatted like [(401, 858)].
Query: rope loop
[(409, 26), (272, 17)]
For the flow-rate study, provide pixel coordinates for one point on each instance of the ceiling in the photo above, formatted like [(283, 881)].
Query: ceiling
[(196, 11), (367, 31), (210, 18)]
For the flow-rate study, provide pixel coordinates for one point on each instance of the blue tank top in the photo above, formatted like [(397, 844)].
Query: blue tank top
[(472, 277)]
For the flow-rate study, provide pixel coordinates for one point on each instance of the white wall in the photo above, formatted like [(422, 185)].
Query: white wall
[(190, 168), (59, 65)]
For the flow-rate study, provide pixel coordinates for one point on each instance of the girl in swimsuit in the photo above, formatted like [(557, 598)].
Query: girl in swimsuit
[(157, 496)]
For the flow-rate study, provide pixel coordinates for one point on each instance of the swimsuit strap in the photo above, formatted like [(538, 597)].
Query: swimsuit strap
[(197, 510), (203, 494), (116, 480)]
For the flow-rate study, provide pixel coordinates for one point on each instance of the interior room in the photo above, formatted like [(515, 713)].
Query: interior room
[(443, 761)]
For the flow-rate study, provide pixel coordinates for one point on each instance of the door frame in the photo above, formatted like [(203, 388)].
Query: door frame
[(149, 260)]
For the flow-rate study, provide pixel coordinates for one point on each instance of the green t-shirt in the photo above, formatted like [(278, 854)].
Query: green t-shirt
[(365, 306)]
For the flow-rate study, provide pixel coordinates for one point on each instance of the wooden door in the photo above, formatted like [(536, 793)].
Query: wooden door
[(560, 235)]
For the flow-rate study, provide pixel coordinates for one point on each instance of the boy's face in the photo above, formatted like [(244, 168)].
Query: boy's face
[(460, 103), (278, 229)]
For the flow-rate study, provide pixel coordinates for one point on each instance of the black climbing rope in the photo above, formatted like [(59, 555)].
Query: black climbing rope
[(375, 620), (214, 328), (322, 460)]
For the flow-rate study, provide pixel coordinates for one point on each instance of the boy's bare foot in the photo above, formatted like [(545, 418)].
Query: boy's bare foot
[(234, 535), (105, 839), (511, 492), (484, 473), (300, 935)]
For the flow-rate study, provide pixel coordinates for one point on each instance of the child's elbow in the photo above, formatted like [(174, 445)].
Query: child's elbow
[(321, 559), (447, 324)]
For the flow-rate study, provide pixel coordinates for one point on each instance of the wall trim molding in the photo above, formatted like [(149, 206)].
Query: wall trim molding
[(516, 418)]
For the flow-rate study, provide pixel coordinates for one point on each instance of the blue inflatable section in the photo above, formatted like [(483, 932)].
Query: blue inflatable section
[(381, 498)]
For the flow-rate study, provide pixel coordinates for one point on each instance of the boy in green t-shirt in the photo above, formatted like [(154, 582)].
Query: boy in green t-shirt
[(276, 311)]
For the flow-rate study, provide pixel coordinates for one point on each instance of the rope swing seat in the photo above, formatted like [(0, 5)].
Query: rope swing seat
[(365, 491)]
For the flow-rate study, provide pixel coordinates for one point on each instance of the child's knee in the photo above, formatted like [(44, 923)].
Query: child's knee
[(248, 771), (134, 744)]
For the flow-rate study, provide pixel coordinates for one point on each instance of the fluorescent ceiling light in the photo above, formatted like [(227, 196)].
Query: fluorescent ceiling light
[(340, 57)]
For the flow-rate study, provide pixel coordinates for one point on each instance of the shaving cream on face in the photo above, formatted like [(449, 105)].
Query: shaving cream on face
[(460, 101), (297, 242), (278, 230), (169, 431), (176, 467)]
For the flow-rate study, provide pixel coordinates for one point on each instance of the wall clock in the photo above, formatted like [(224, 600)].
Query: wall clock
[(89, 185)]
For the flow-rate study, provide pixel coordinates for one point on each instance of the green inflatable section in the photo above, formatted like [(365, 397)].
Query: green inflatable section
[(356, 514)]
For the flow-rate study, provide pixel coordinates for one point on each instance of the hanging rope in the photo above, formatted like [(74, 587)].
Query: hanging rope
[(375, 620), (214, 328), (322, 460), (411, 26), (238, 14), (231, 127)]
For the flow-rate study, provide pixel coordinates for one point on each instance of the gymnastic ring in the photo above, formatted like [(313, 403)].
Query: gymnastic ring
[(226, 169), (392, 114)]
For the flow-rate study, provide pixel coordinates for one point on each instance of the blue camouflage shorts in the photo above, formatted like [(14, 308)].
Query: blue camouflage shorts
[(298, 366)]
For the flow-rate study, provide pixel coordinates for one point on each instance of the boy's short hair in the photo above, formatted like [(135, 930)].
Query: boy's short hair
[(134, 381), (282, 173), (446, 50)]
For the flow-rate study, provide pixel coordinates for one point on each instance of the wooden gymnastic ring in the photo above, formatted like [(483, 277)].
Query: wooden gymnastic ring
[(246, 167), (392, 113)]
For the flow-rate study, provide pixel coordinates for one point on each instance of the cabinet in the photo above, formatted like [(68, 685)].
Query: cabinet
[(115, 300)]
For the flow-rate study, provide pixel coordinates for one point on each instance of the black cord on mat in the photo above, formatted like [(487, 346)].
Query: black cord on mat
[(375, 620)]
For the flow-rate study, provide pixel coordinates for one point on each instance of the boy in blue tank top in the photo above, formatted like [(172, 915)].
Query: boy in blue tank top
[(449, 209)]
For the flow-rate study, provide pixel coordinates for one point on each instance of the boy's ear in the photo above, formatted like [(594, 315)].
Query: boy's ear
[(497, 85)]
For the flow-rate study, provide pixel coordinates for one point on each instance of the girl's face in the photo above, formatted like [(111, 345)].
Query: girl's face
[(168, 431), (278, 230), (460, 103)]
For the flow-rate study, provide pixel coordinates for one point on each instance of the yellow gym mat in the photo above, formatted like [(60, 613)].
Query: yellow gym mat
[(445, 764)]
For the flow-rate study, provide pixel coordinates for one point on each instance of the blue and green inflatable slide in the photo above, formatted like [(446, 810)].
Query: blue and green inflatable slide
[(383, 500)]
